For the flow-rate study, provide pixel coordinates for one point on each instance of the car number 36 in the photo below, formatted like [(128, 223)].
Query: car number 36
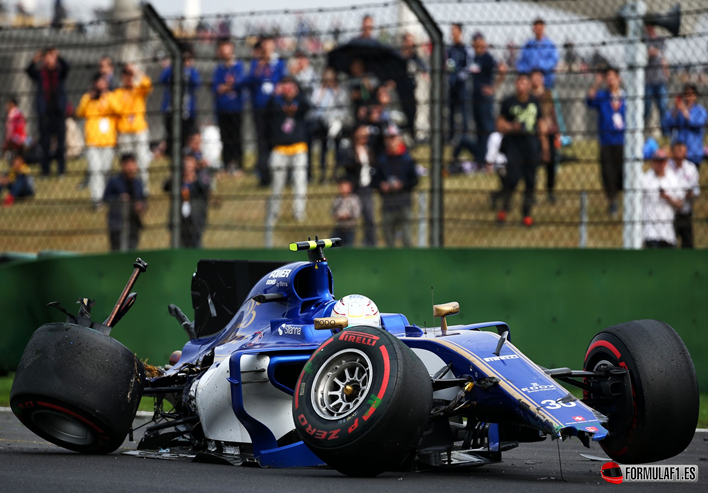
[(551, 404)]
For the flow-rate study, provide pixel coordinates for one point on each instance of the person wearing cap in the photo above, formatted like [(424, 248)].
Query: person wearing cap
[(267, 70), (99, 107), (133, 131), (396, 178), (227, 86), (125, 193), (662, 196), (686, 123), (192, 81), (687, 174), (610, 104), (458, 59), (287, 137), (540, 53), (484, 85)]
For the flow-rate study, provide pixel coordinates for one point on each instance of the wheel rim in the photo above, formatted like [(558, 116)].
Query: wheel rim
[(63, 427), (342, 384)]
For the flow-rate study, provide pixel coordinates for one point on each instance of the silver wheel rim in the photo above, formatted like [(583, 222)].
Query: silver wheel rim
[(342, 384), (62, 427)]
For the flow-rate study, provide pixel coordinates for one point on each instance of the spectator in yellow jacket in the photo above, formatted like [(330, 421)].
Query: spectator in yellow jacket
[(133, 132), (99, 108)]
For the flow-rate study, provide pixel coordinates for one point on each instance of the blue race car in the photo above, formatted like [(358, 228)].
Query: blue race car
[(280, 373)]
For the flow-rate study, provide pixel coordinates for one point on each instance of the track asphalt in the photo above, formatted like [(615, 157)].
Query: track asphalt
[(29, 464)]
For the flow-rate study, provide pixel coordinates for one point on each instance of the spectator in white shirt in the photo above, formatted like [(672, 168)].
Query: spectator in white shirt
[(687, 174), (662, 197)]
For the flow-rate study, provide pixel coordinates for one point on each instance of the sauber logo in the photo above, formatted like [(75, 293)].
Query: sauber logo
[(500, 358), (280, 273), (358, 338)]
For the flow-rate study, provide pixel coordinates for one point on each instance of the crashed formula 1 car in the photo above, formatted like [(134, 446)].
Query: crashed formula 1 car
[(279, 373)]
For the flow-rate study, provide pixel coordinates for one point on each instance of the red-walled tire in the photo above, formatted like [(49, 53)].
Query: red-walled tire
[(362, 402), (664, 390), (77, 388)]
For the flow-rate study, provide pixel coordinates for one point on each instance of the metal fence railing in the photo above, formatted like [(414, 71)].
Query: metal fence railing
[(208, 173)]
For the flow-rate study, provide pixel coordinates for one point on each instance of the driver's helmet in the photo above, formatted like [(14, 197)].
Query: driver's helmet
[(359, 310)]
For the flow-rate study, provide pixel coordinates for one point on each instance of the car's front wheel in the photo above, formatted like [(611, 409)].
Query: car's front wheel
[(362, 402)]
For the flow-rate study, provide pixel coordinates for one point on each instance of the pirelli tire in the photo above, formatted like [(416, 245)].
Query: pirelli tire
[(362, 402), (665, 396), (77, 388)]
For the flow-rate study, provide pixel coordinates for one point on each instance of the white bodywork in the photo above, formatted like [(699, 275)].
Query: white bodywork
[(211, 396)]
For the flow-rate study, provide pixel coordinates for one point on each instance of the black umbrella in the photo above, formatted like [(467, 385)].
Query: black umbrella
[(380, 60)]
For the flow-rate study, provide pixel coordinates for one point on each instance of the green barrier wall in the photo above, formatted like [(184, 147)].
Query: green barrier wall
[(553, 300)]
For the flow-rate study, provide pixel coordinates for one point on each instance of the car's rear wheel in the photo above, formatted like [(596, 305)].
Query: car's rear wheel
[(362, 402), (663, 415), (77, 388)]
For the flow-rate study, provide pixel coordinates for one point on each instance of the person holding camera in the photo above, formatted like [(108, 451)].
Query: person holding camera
[(662, 196), (49, 71), (99, 108), (133, 131)]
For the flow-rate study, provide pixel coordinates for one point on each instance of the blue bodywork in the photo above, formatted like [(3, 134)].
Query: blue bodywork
[(284, 330)]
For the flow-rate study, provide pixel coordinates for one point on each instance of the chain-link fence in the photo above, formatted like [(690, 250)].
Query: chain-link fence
[(224, 191)]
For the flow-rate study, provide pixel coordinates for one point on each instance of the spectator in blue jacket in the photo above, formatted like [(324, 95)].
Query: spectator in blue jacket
[(125, 196), (396, 180), (226, 84), (610, 106), (686, 122), (192, 80), (267, 69), (539, 53), (458, 59), (49, 72)]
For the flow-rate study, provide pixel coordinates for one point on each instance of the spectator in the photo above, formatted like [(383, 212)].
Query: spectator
[(415, 67), (687, 174), (572, 62), (48, 70), (358, 168), (226, 84), (195, 197), (396, 180), (367, 27), (18, 181), (548, 114), (99, 108), (362, 88), (483, 89), (662, 197), (266, 72), (331, 112), (379, 118), (540, 53), (133, 132), (105, 68), (457, 67), (610, 106), (521, 123), (194, 149), (346, 211), (657, 75), (686, 122), (125, 197), (287, 134), (303, 73), (192, 81), (15, 128)]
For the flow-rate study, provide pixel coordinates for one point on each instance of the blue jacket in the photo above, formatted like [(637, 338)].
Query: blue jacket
[(117, 186), (401, 167), (688, 130), (232, 101), (608, 132), (192, 82), (42, 78), (458, 58), (262, 83), (541, 55)]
